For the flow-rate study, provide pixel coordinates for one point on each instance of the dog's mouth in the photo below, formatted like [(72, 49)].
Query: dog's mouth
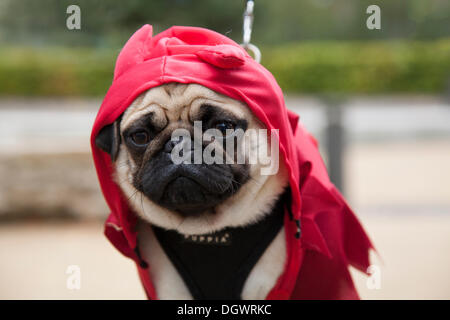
[(188, 197), (190, 189)]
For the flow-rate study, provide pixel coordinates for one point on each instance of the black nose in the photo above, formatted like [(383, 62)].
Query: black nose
[(168, 147)]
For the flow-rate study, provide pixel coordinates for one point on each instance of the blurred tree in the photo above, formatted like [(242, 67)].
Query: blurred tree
[(109, 23)]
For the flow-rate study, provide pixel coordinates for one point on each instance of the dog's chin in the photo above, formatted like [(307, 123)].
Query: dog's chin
[(189, 198), (189, 190)]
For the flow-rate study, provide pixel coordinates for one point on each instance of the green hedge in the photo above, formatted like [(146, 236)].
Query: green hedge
[(55, 71), (322, 67), (361, 67)]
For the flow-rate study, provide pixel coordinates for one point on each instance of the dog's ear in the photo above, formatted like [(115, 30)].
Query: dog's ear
[(108, 139)]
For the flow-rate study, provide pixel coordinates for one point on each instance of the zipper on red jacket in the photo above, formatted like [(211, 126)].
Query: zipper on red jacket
[(288, 200), (141, 261)]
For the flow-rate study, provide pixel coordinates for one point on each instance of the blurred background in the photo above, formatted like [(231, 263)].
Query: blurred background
[(377, 100)]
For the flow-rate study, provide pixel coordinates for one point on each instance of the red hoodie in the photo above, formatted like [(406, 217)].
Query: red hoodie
[(331, 236)]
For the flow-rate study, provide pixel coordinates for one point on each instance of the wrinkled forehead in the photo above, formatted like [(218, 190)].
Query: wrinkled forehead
[(180, 102)]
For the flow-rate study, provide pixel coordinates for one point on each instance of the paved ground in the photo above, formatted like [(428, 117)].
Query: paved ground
[(415, 257), (34, 259)]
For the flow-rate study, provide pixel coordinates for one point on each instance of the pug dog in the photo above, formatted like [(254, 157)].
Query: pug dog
[(194, 200)]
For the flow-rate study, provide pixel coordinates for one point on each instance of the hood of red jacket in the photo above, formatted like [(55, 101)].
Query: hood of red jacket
[(331, 237)]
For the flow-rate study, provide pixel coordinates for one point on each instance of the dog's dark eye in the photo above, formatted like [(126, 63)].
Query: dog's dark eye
[(223, 126), (140, 138)]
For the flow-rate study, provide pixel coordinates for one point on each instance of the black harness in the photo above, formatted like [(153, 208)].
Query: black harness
[(215, 266)]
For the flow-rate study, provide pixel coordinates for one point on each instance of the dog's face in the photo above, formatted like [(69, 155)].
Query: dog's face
[(192, 192), (187, 188)]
